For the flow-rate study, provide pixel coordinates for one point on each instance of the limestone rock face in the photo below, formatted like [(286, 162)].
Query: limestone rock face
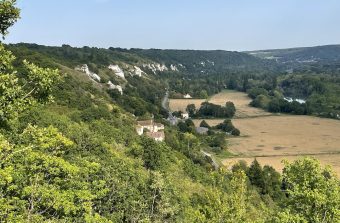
[(117, 70), (113, 86), (173, 67), (154, 67), (85, 69), (137, 71)]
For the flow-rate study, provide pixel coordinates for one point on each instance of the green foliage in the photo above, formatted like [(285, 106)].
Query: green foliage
[(9, 14), (254, 92), (43, 182), (191, 109), (318, 90), (186, 126), (217, 111), (227, 126), (235, 132), (18, 94), (204, 124), (313, 192), (261, 101)]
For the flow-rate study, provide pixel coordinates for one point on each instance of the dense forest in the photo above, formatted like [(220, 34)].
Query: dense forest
[(69, 151)]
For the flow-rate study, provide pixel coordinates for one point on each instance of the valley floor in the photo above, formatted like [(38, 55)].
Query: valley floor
[(271, 138)]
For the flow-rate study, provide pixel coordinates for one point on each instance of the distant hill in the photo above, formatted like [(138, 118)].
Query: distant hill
[(317, 59), (207, 61), (192, 62), (329, 53)]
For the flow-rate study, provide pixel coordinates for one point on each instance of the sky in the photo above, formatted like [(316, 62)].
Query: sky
[(179, 24)]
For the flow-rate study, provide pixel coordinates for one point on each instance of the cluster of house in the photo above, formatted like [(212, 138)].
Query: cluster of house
[(152, 129)]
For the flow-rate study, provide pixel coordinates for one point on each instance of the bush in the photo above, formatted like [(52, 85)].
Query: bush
[(254, 92), (235, 132), (205, 124)]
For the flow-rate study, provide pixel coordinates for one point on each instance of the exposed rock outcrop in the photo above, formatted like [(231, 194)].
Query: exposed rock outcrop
[(117, 87), (117, 70), (85, 69)]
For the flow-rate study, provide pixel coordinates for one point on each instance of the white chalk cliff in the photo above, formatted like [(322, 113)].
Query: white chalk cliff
[(137, 71), (117, 87), (117, 70), (85, 69), (154, 67)]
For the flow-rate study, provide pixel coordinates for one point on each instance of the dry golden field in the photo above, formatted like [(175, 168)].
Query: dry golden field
[(241, 101), (273, 138), (276, 161), (211, 122), (181, 104)]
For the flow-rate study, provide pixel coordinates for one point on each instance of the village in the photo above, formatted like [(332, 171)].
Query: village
[(155, 130)]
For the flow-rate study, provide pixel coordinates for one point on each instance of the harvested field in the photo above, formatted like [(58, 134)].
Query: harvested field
[(181, 104), (276, 137), (241, 101), (276, 161), (211, 122)]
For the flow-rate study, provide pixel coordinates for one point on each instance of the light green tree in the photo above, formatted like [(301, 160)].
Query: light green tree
[(9, 14), (18, 92), (313, 193)]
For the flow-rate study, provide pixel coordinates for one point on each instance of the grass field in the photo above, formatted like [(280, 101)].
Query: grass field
[(276, 137), (241, 101), (181, 104)]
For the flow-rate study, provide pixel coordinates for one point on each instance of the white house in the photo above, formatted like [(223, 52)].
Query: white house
[(155, 130), (185, 115), (187, 96), (202, 130), (157, 136)]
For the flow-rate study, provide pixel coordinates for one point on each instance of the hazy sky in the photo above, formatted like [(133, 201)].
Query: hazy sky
[(179, 24)]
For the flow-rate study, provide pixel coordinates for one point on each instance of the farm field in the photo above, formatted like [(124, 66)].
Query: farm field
[(271, 138), (276, 161), (211, 122), (240, 99), (274, 138), (181, 104)]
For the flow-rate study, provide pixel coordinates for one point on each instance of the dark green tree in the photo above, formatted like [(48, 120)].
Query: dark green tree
[(204, 124)]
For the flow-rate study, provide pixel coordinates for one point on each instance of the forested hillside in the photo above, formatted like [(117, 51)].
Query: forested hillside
[(317, 59), (69, 151)]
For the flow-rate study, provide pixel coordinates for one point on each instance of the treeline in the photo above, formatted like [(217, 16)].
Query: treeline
[(317, 96), (210, 110)]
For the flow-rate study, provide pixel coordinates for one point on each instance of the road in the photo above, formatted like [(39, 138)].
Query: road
[(165, 104)]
